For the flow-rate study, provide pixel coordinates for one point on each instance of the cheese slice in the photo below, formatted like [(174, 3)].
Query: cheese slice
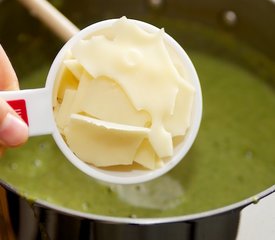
[(105, 99), (146, 155), (64, 80), (74, 66), (178, 122), (101, 143), (83, 90), (62, 117)]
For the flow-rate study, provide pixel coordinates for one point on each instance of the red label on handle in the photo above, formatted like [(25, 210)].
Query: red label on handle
[(19, 107)]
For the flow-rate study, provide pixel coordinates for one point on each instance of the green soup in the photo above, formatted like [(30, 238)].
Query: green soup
[(233, 157)]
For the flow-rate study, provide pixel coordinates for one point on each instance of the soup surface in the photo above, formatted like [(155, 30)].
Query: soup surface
[(232, 158)]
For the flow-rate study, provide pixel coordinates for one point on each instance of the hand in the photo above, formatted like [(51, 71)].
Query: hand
[(13, 130)]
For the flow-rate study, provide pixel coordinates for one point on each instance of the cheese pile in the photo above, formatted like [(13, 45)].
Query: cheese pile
[(120, 97)]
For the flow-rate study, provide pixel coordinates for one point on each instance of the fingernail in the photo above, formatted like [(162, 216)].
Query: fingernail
[(13, 131)]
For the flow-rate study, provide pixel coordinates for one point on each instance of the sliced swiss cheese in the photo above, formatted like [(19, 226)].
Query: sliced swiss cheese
[(64, 80), (140, 63), (106, 100), (178, 122), (82, 93), (146, 155), (74, 66), (65, 110), (103, 144)]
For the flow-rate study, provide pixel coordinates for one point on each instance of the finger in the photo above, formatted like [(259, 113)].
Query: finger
[(13, 130), (8, 78)]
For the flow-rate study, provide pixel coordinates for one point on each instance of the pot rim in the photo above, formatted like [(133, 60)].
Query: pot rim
[(238, 206)]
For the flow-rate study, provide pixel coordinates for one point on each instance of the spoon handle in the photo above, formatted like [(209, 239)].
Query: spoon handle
[(34, 107), (51, 17)]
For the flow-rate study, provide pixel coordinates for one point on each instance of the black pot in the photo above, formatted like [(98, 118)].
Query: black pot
[(251, 21), (41, 220)]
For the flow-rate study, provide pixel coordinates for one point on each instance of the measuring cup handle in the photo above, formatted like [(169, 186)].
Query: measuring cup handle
[(35, 108)]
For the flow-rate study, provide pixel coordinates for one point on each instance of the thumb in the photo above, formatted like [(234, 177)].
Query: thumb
[(13, 130)]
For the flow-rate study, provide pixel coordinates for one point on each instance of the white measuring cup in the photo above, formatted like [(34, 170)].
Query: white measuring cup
[(35, 106)]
